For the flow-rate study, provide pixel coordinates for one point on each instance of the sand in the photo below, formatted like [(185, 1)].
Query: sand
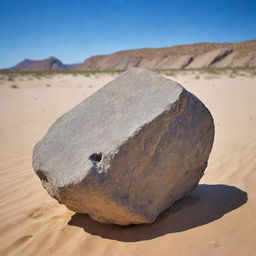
[(217, 219)]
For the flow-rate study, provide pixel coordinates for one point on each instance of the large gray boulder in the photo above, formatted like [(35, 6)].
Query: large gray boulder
[(129, 151)]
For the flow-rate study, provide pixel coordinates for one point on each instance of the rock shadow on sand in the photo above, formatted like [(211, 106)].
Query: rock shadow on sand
[(206, 204)]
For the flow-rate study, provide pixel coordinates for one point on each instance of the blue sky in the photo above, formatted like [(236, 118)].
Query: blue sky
[(73, 30)]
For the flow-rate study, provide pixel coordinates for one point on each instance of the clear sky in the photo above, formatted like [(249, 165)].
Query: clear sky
[(73, 30)]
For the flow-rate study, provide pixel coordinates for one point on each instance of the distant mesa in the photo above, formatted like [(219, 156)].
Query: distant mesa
[(51, 63), (199, 55)]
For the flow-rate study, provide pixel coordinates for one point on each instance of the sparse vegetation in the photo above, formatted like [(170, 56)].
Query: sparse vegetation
[(209, 72), (15, 86), (48, 85), (48, 73), (212, 72), (168, 72), (10, 78), (209, 77)]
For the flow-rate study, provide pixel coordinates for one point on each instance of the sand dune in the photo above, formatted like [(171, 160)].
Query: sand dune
[(217, 219)]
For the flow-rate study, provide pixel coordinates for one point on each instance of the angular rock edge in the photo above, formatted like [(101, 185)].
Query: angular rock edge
[(148, 170)]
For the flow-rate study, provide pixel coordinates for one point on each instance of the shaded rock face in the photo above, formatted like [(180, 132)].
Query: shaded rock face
[(127, 152)]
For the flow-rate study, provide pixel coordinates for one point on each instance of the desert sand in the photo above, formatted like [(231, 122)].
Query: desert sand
[(217, 219)]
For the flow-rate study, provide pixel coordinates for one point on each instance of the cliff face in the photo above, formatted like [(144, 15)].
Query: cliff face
[(34, 65), (184, 56)]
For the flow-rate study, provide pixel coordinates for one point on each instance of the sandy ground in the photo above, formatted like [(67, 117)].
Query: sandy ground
[(219, 218)]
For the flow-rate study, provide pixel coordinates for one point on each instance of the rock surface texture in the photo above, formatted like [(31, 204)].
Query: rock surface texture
[(127, 152)]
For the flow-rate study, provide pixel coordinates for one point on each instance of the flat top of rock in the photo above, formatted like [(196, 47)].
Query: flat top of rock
[(103, 122)]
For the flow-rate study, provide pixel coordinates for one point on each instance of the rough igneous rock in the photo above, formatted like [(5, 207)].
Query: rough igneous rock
[(127, 152)]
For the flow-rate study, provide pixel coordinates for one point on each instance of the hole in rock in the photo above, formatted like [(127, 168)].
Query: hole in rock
[(96, 157)]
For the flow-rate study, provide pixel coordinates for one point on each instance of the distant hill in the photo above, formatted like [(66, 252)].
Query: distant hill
[(200, 55), (183, 56), (72, 66), (51, 63)]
